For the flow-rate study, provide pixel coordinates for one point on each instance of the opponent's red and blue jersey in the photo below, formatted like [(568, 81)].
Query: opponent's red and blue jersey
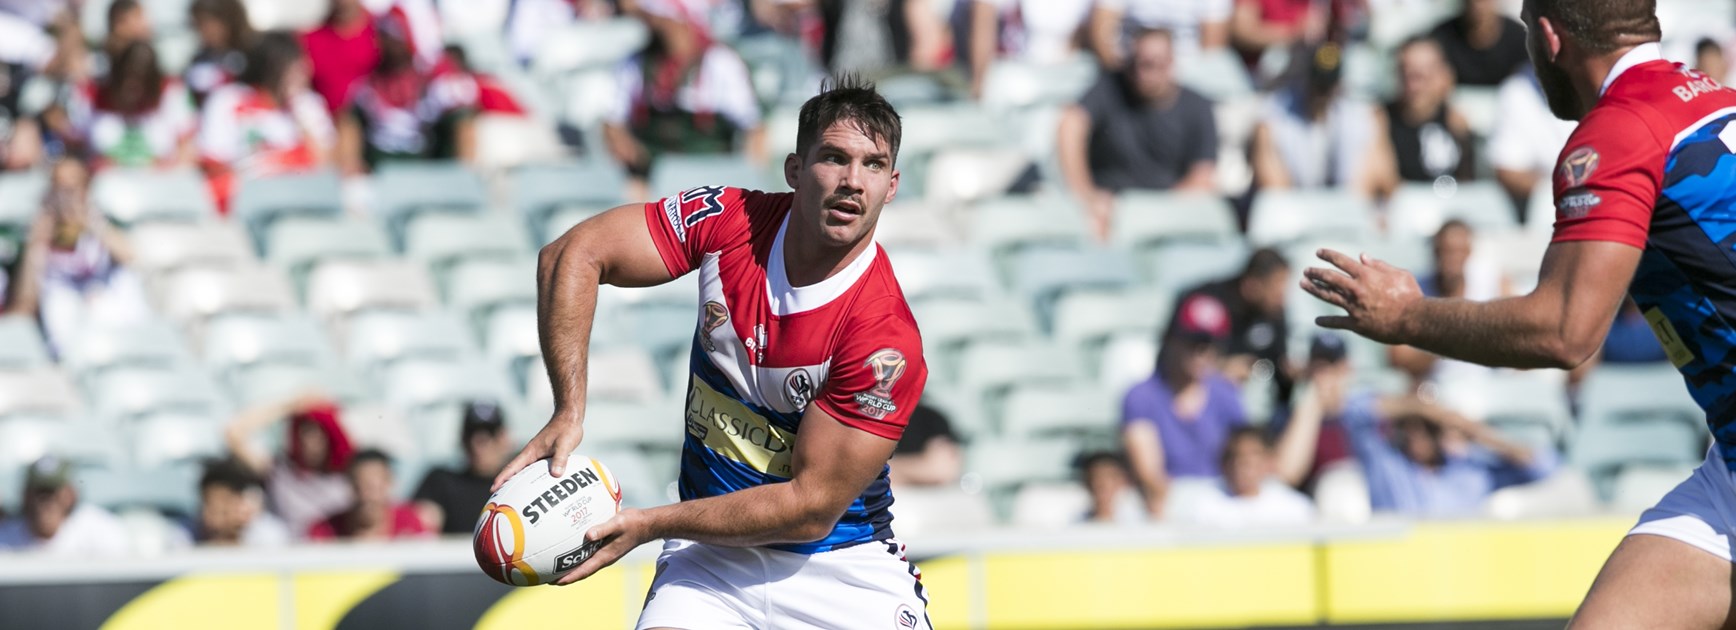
[(1653, 166), (765, 350)]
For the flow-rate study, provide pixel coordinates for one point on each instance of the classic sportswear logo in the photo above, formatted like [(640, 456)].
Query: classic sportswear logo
[(731, 430)]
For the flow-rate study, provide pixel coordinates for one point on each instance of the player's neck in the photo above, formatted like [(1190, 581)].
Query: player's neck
[(809, 262), (1594, 70)]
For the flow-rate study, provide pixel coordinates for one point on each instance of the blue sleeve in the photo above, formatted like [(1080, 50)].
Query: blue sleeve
[(1362, 425)]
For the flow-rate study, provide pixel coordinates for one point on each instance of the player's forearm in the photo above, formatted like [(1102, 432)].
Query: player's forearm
[(1508, 332), (763, 515), (567, 280)]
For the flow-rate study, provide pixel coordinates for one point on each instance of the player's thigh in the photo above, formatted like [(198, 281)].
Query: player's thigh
[(702, 588), (1655, 582)]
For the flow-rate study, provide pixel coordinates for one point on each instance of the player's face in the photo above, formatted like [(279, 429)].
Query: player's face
[(844, 181), (1557, 86)]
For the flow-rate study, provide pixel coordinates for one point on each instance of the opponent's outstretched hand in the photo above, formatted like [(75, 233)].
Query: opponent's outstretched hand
[(1373, 294), (614, 537), (560, 436)]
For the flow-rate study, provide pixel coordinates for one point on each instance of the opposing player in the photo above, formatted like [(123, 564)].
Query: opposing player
[(806, 366), (1645, 193)]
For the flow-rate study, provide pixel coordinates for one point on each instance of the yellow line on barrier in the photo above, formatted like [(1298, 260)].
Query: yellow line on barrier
[(198, 602), (323, 598)]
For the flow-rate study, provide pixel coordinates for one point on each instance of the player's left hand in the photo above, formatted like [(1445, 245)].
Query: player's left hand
[(1373, 294), (619, 535)]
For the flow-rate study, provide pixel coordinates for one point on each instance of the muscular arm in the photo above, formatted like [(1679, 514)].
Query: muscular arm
[(832, 463), (611, 248), (1560, 324)]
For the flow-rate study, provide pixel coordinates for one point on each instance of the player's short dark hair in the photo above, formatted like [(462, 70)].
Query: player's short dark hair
[(367, 455), (1602, 26), (1264, 262), (229, 474), (850, 99)]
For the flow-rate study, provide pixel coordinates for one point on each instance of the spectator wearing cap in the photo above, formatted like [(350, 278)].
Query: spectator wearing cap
[(1311, 136), (55, 521), (453, 497), (1254, 303), (1137, 128), (400, 112), (928, 453), (683, 94), (1483, 46), (342, 50), (373, 515), (1175, 423), (306, 482), (232, 510), (1425, 137)]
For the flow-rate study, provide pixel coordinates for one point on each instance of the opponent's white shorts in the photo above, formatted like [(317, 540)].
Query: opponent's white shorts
[(702, 587), (1700, 511)]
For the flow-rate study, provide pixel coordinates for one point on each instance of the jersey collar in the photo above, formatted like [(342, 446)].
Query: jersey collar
[(1640, 54), (787, 299)]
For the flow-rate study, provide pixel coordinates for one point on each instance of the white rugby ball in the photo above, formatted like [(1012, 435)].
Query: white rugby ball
[(533, 530)]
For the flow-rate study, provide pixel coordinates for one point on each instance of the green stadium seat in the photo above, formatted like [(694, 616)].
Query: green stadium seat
[(923, 511), (1603, 450), (1007, 225), (1417, 210), (1015, 84), (106, 348), (915, 226), (339, 290), (589, 44), (479, 288), (170, 438), (1081, 412), (988, 372), (262, 201), (1044, 276), (966, 175), (1219, 75), (947, 327), (539, 190), (1145, 219), (621, 424), (1527, 404), (1054, 505), (21, 344), (1280, 216), (946, 275), (1087, 320), (21, 196), (1341, 494), (24, 440), (136, 196), (194, 296), (1177, 267), (173, 489), (378, 340), (300, 245), (1479, 106), (238, 343), (281, 381), (1637, 488), (1004, 464), (642, 485), (1567, 493)]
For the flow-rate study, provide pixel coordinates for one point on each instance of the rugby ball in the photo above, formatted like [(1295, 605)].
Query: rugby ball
[(533, 530)]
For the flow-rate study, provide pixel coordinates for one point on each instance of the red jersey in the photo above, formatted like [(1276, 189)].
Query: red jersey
[(765, 350)]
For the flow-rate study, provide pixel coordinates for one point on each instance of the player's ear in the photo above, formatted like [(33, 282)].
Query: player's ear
[(1551, 38), (792, 170), (892, 188)]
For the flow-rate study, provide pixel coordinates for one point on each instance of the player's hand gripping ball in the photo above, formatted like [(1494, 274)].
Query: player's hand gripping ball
[(533, 530)]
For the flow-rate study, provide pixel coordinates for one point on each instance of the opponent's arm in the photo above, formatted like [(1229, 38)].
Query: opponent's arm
[(1560, 324), (611, 248), (832, 463)]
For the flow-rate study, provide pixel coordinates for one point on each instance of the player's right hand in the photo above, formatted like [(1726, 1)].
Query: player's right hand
[(560, 436)]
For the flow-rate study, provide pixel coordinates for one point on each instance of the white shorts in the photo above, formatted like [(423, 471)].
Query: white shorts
[(1700, 511), (701, 587)]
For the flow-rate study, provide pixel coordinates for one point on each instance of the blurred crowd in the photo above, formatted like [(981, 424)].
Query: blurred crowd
[(1242, 418)]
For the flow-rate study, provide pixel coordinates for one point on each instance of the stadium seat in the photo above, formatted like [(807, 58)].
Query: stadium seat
[(562, 219), (1219, 75), (164, 247), (443, 241), (1126, 359), (1604, 450), (538, 190), (403, 191), (341, 289), (21, 195), (194, 296), (104, 348), (1519, 403), (1614, 394), (1341, 494), (911, 90), (1638, 488), (946, 275), (24, 440), (1015, 84), (1566, 493), (479, 288), (124, 396), (300, 245), (378, 340), (947, 510), (21, 344), (950, 325), (1005, 225), (906, 226), (1006, 463), (134, 196), (1045, 275), (1047, 505), (589, 44), (1178, 267), (260, 202), (167, 439), (967, 175), (624, 424), (1280, 216), (933, 128), (675, 173), (172, 489), (989, 371), (1089, 319), (241, 342), (1147, 219), (1479, 106), (265, 383), (1418, 210), (1040, 412), (412, 386)]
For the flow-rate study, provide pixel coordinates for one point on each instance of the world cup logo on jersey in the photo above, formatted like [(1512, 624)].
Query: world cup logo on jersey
[(887, 366), (1577, 167), (715, 316)]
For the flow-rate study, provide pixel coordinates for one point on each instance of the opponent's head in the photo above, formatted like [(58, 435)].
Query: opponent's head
[(1562, 34), (845, 168)]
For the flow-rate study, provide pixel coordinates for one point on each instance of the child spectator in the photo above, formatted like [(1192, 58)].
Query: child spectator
[(306, 482), (270, 123), (134, 116), (373, 515)]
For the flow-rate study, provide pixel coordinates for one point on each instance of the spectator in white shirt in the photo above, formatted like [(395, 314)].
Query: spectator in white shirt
[(1251, 493), (54, 521), (232, 510), (1039, 31), (1196, 25)]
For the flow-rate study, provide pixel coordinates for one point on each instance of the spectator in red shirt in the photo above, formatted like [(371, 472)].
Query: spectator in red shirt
[(374, 516), (342, 50), (402, 112)]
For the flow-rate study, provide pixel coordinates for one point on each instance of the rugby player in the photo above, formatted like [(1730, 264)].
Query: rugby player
[(805, 368), (1645, 198)]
